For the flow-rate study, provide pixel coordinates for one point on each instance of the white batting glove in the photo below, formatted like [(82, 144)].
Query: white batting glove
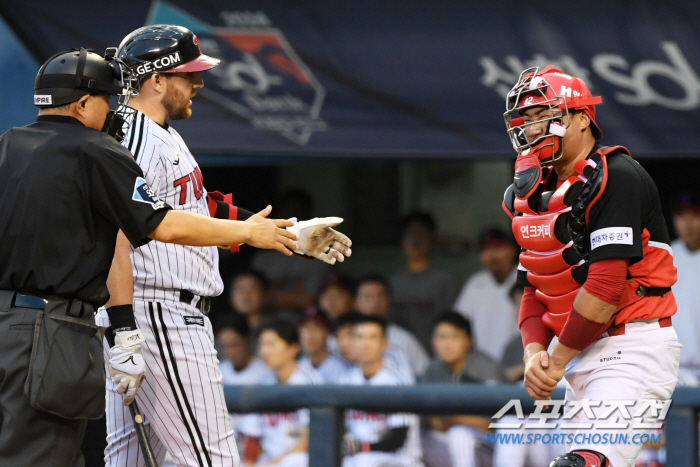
[(126, 364), (316, 238)]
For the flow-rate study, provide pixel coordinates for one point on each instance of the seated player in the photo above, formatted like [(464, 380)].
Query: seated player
[(336, 295), (373, 439), (462, 436), (248, 296), (313, 334), (394, 358), (373, 297), (279, 439), (241, 366)]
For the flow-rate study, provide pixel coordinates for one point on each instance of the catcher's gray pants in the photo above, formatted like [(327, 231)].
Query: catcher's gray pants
[(29, 438)]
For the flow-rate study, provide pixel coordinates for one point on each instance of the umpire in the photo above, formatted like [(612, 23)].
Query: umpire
[(67, 189)]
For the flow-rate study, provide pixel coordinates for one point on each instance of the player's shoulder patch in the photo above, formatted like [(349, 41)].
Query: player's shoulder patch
[(144, 194)]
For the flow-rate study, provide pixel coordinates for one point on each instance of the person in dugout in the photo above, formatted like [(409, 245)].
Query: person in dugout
[(596, 265), (67, 189)]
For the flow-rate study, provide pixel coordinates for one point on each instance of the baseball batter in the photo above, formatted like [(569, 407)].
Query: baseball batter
[(182, 396), (596, 265)]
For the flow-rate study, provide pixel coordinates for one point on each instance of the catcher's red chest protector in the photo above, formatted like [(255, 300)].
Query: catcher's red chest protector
[(549, 224)]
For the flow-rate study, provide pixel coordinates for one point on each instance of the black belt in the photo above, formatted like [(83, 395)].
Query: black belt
[(69, 306), (643, 291), (203, 305)]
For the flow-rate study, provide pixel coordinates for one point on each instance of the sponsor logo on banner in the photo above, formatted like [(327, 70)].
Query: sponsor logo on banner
[(144, 194), (260, 77), (635, 81)]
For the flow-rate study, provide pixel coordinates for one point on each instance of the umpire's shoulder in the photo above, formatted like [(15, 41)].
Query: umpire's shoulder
[(103, 145)]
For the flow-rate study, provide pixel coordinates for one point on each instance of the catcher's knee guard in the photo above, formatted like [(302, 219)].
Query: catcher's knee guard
[(581, 459)]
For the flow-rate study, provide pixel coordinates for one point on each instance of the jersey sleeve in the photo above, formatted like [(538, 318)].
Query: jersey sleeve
[(123, 196), (615, 221)]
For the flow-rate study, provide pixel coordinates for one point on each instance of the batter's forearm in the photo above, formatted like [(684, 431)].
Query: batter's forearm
[(120, 281), (188, 228)]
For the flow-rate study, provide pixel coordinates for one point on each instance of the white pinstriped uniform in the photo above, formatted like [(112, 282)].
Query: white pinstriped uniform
[(280, 432), (369, 427), (182, 397)]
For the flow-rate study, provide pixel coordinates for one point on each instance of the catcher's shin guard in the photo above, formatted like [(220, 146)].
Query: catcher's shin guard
[(581, 459)]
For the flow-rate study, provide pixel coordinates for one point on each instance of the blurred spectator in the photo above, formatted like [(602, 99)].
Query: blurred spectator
[(393, 358), (279, 439), (686, 257), (240, 366), (484, 298), (373, 298), (462, 436), (336, 295), (421, 291), (374, 439), (294, 281), (313, 335), (247, 295), (342, 332), (512, 360)]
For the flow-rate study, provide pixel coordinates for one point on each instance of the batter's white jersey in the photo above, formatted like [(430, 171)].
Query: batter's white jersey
[(370, 427), (280, 432), (173, 174), (182, 398), (331, 369)]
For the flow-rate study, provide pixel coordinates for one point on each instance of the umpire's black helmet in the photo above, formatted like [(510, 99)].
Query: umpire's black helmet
[(163, 48), (68, 76)]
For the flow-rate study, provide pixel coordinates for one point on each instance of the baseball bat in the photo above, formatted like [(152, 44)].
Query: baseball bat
[(148, 456)]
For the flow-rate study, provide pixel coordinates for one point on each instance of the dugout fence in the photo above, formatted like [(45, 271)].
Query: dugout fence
[(327, 404)]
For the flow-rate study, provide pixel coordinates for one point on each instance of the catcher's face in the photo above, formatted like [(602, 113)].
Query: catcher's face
[(180, 89)]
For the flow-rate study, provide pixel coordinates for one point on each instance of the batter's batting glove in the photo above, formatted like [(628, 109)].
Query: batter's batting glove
[(350, 445), (126, 365), (317, 238)]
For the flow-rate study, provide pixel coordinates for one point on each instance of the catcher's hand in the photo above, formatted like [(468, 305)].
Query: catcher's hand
[(317, 238), (350, 445), (126, 364)]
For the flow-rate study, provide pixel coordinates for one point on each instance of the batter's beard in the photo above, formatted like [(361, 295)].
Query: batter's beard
[(176, 104)]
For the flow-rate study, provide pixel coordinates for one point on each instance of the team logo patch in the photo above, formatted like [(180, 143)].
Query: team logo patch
[(611, 236), (198, 320), (144, 194)]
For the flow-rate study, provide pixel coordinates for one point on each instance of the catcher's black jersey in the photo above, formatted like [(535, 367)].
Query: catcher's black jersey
[(66, 191)]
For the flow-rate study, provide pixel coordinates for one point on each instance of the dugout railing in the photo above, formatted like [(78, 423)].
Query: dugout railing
[(327, 404)]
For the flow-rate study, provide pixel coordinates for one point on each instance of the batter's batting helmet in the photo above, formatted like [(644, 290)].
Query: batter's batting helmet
[(68, 76), (163, 48), (561, 94)]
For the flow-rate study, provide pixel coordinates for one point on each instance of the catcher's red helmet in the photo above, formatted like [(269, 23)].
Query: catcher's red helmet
[(561, 93)]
